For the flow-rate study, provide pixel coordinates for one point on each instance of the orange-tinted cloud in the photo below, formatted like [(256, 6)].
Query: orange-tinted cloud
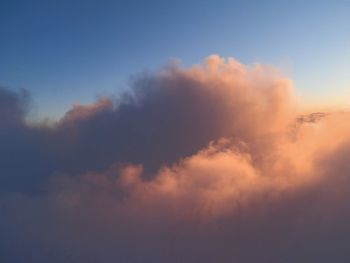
[(206, 164)]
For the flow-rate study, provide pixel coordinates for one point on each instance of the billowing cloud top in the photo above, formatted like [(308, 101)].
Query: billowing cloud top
[(206, 164)]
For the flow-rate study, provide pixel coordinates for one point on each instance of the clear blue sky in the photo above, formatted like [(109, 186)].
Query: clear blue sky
[(67, 51)]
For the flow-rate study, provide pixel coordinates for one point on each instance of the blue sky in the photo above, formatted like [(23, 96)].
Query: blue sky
[(72, 51)]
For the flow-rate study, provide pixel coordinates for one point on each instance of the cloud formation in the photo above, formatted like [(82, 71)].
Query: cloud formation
[(206, 164)]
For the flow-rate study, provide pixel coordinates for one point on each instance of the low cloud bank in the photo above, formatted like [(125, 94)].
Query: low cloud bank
[(206, 164)]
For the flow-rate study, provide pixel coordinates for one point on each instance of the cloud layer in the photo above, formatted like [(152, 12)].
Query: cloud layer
[(206, 164)]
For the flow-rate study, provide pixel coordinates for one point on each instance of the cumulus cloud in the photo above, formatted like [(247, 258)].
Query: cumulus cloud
[(206, 164)]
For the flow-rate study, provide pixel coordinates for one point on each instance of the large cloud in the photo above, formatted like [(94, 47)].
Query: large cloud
[(168, 115), (207, 164)]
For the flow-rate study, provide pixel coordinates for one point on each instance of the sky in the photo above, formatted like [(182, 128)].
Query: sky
[(64, 52), (172, 132)]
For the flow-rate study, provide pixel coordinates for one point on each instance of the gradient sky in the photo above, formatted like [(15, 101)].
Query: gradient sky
[(72, 51)]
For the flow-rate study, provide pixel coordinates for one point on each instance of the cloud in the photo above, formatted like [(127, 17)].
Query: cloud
[(13, 107), (206, 164), (167, 115)]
